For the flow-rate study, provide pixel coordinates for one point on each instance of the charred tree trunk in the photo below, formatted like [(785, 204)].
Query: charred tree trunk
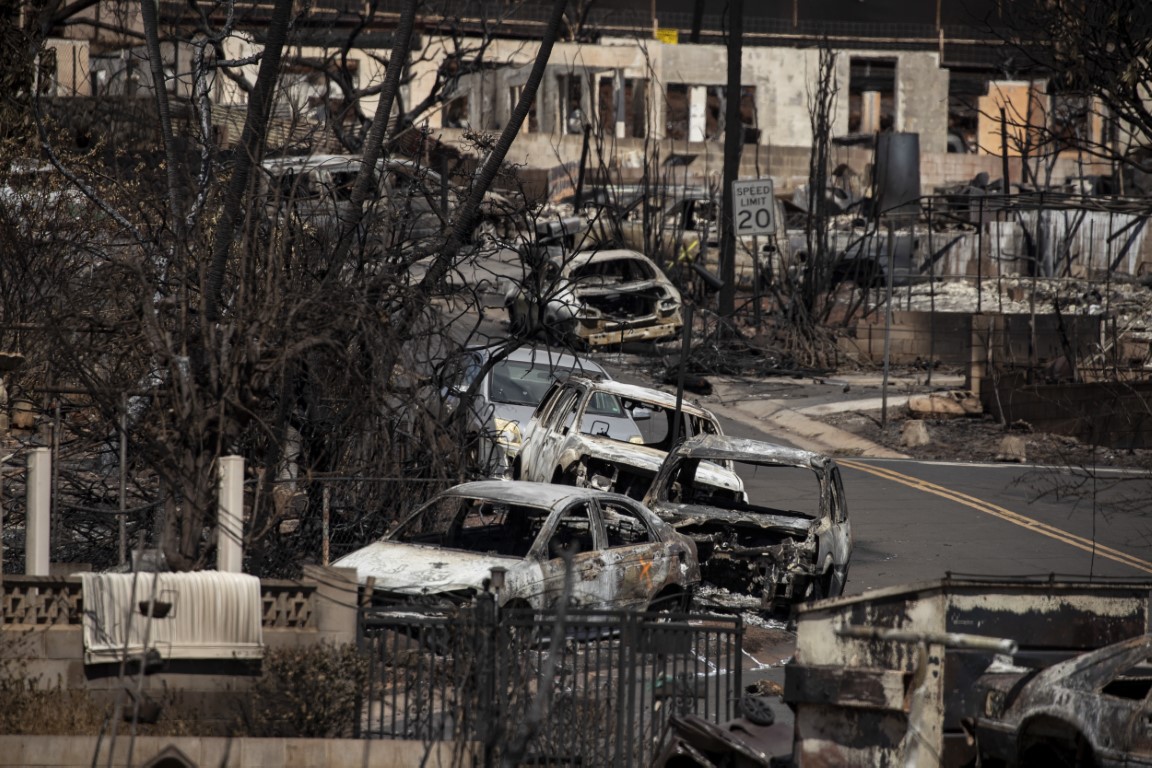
[(733, 143)]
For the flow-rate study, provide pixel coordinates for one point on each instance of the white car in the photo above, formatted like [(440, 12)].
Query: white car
[(503, 401), (443, 554), (613, 436)]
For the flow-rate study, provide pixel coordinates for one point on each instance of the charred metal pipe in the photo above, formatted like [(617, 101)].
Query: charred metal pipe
[(948, 639)]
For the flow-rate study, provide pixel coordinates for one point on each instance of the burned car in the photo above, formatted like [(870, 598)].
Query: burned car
[(1091, 710), (595, 298), (503, 401), (623, 556), (613, 436), (791, 543), (407, 204)]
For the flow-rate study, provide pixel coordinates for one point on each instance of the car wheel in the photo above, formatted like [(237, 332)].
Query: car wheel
[(564, 477), (670, 601), (517, 325), (1045, 755)]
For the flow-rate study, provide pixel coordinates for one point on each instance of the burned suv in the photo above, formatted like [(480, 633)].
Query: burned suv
[(613, 436), (791, 543)]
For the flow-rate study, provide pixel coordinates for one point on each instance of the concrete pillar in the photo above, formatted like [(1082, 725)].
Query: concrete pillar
[(697, 112), (979, 353), (618, 93), (870, 112), (39, 512), (230, 517)]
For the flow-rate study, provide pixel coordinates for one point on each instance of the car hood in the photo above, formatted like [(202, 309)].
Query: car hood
[(681, 515), (413, 569), (513, 412), (611, 288)]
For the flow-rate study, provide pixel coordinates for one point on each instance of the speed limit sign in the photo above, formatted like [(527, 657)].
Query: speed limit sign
[(753, 207)]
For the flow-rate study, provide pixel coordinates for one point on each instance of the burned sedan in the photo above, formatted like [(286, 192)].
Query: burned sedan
[(596, 298), (790, 542), (1091, 710), (612, 436), (444, 553)]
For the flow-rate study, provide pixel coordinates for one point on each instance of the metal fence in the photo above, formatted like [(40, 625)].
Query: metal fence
[(496, 682)]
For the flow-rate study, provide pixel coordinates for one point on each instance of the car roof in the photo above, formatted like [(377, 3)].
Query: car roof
[(723, 447), (541, 354), (526, 492), (635, 392), (587, 257)]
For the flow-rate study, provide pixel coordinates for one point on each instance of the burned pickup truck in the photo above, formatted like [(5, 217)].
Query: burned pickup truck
[(791, 544)]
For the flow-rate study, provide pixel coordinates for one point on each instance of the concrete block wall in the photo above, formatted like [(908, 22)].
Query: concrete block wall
[(787, 165), (54, 653), (1096, 413), (951, 336), (219, 752)]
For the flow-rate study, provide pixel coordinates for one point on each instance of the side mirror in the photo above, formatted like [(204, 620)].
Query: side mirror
[(640, 413), (599, 428)]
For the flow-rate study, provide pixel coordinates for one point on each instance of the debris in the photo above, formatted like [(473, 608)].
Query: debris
[(1011, 449), (914, 434), (945, 405)]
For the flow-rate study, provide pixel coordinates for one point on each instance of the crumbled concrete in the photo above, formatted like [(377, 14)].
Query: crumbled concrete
[(914, 434), (1012, 449), (945, 405)]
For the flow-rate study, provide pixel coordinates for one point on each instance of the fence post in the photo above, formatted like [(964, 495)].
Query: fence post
[(39, 511), (230, 516), (487, 624)]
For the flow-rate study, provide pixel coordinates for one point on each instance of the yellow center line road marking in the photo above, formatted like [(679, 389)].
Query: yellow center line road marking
[(1044, 529)]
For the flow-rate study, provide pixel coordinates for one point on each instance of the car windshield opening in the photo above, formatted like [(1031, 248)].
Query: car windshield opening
[(781, 490), (474, 525), (640, 422), (522, 383)]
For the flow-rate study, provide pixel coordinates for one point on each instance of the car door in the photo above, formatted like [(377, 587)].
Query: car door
[(541, 450), (634, 553), (574, 531), (839, 537)]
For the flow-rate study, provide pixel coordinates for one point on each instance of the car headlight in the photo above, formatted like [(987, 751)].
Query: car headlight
[(508, 433)]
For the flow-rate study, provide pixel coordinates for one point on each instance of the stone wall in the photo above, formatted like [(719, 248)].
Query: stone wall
[(995, 351), (42, 629), (956, 338), (209, 752)]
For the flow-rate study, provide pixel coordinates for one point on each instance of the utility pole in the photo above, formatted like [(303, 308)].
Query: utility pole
[(733, 143)]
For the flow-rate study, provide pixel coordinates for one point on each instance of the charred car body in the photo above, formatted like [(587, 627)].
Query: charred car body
[(407, 203), (1091, 710), (613, 436), (622, 555), (792, 546), (596, 298)]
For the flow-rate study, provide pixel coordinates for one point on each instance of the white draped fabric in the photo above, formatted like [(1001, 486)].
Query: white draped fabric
[(213, 615)]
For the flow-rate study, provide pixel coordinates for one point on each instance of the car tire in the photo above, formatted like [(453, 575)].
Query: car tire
[(670, 601), (517, 325)]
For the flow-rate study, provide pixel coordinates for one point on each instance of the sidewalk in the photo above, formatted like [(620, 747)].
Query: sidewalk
[(788, 409)]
